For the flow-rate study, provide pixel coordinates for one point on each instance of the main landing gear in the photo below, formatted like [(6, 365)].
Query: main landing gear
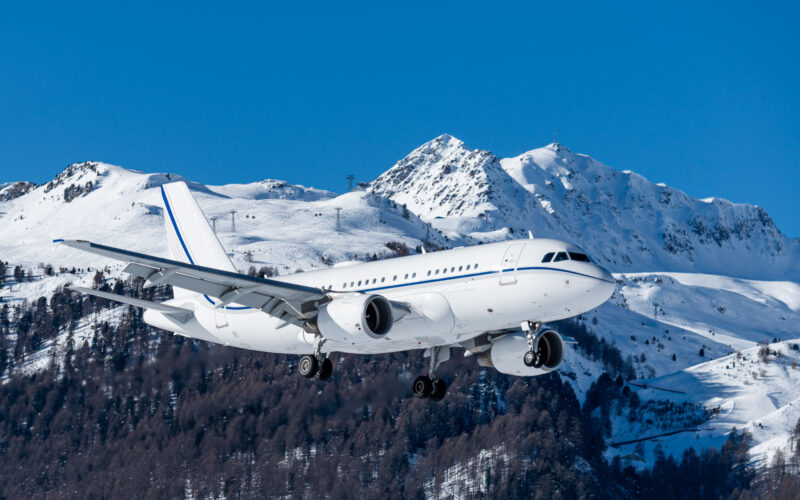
[(428, 386), (317, 364), (535, 354)]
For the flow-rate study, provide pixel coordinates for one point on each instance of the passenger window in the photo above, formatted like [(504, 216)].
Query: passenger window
[(437, 272), (415, 275), (374, 280), (383, 279), (548, 257), (561, 256), (429, 273), (395, 278), (580, 257), (468, 267), (452, 269), (460, 268), (344, 285), (475, 266), (406, 277), (359, 282), (444, 271), (352, 283)]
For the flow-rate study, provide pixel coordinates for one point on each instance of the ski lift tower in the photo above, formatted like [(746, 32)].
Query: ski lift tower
[(214, 223), (233, 220), (350, 178)]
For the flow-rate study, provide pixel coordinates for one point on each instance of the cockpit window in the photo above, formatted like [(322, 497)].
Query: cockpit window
[(561, 256), (580, 257), (548, 257)]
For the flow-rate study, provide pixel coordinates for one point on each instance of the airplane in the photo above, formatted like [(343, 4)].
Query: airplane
[(490, 299)]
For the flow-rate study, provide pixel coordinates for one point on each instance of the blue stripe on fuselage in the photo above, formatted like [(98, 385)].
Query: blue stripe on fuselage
[(484, 273)]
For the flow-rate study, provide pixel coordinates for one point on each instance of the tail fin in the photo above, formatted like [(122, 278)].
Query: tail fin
[(189, 237)]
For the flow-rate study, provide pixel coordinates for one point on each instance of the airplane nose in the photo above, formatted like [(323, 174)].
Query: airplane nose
[(609, 284)]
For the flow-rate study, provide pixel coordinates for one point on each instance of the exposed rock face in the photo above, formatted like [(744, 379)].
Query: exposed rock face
[(14, 190), (625, 221)]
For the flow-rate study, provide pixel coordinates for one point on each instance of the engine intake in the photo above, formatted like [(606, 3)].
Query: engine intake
[(551, 349), (347, 318), (506, 354)]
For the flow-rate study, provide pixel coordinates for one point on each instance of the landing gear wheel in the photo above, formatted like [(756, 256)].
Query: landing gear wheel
[(308, 366), (530, 359), (325, 369), (422, 387), (438, 389)]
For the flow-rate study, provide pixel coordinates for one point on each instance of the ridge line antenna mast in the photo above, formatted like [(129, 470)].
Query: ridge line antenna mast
[(350, 178)]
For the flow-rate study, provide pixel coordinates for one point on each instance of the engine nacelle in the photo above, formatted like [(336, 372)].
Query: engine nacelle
[(348, 318), (507, 352)]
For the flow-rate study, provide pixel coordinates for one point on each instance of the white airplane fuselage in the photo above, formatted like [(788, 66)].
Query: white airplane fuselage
[(453, 296)]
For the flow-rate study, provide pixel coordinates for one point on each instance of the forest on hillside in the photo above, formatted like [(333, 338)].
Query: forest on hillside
[(138, 411)]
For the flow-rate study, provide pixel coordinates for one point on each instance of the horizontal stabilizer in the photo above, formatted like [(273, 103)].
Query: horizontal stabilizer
[(177, 313)]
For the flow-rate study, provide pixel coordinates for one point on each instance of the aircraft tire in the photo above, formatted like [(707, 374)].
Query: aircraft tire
[(308, 366), (438, 389), (325, 369), (530, 358), (422, 387)]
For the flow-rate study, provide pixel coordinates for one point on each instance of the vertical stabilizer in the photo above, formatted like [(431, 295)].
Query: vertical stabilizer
[(189, 237)]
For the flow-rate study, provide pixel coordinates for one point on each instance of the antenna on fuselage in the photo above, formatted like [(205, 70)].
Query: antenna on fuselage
[(530, 234)]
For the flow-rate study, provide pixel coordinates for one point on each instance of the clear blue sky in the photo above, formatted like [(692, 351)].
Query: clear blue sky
[(703, 97)]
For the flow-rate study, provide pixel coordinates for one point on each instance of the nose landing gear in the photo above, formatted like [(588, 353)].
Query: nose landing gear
[(535, 355)]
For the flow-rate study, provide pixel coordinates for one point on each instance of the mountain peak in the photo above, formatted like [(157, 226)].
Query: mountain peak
[(445, 178), (440, 145)]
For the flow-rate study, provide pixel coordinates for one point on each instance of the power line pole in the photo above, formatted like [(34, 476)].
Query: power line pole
[(350, 178), (233, 220)]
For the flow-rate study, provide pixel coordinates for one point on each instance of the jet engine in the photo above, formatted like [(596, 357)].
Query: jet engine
[(350, 317), (506, 354)]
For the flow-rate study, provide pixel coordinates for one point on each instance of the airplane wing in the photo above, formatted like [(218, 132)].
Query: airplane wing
[(293, 303)]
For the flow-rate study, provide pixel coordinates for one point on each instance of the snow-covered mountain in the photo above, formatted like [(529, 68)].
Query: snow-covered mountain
[(695, 276), (279, 224), (626, 222)]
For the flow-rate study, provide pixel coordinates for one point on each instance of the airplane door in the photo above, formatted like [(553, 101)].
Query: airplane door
[(508, 267)]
